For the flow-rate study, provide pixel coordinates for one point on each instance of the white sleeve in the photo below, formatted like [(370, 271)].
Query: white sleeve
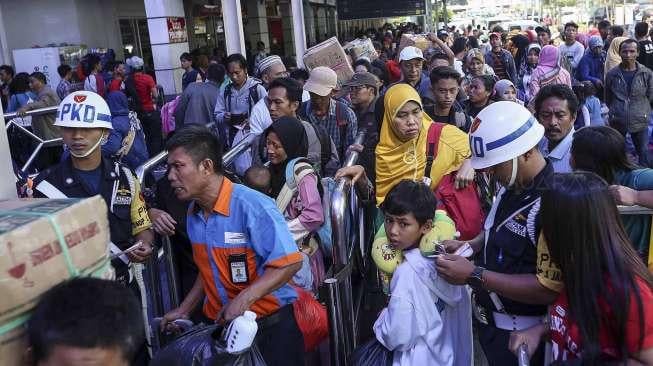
[(90, 83), (260, 118), (397, 327)]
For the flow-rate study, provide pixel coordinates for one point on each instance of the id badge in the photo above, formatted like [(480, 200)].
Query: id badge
[(238, 268)]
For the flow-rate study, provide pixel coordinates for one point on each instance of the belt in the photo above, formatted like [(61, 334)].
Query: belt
[(275, 318), (515, 322), (503, 320)]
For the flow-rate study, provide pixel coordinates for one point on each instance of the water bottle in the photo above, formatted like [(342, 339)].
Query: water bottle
[(240, 333)]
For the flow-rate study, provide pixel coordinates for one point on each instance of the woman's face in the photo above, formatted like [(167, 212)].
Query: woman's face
[(475, 67), (276, 153), (533, 57), (509, 94), (408, 121), (477, 92)]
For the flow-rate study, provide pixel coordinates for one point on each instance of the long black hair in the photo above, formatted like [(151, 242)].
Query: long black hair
[(601, 150), (599, 266)]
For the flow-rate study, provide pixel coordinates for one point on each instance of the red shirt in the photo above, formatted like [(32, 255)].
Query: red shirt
[(144, 85), (566, 337), (115, 84)]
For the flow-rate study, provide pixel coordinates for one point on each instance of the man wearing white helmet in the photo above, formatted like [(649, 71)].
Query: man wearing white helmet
[(508, 295), (85, 122)]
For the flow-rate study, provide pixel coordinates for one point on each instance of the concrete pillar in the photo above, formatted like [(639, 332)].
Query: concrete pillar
[(309, 24), (321, 23), (299, 30), (165, 54), (233, 26), (257, 24)]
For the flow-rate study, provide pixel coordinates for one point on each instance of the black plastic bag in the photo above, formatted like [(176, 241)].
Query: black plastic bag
[(200, 347), (372, 353)]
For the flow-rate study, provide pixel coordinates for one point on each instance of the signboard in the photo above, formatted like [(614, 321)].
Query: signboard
[(366, 9), (177, 30), (45, 60)]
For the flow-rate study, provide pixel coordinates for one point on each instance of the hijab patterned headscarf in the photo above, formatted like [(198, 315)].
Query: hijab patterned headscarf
[(613, 59)]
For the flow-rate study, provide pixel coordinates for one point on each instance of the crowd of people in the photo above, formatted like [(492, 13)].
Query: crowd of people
[(527, 145)]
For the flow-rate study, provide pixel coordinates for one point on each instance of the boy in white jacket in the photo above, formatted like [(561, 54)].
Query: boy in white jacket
[(427, 321)]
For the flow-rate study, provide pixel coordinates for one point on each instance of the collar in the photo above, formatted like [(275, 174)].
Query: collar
[(221, 205), (68, 175), (563, 146), (330, 113)]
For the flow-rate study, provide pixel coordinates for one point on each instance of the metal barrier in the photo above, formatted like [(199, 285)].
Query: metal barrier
[(41, 143), (346, 227)]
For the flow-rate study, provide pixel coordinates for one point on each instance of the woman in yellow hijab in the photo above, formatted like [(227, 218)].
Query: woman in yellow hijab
[(401, 151), (613, 58)]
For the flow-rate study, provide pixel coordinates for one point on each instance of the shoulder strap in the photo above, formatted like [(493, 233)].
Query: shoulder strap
[(325, 144), (49, 190), (342, 122), (253, 95), (296, 169), (432, 140), (227, 97)]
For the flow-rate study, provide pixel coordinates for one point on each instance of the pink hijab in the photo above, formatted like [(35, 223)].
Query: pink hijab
[(548, 59)]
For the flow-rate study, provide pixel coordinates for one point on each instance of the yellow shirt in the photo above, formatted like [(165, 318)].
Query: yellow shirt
[(548, 273), (138, 210)]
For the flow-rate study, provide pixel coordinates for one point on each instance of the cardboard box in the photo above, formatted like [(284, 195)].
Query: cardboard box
[(418, 40), (362, 48), (331, 54), (31, 259), (13, 345)]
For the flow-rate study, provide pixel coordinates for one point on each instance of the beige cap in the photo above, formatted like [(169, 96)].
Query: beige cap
[(321, 81)]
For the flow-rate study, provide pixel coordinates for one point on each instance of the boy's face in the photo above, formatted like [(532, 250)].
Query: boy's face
[(403, 231), (76, 356)]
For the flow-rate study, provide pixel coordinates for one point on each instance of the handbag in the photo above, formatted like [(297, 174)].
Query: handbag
[(462, 205)]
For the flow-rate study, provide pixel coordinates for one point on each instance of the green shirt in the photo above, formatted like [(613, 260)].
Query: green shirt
[(638, 227)]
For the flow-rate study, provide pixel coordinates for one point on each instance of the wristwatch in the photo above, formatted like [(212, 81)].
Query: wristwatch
[(475, 279)]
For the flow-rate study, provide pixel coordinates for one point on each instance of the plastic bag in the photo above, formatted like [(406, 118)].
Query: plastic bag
[(372, 353), (199, 347), (311, 318)]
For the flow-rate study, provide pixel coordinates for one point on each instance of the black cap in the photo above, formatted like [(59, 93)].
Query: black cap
[(363, 78), (542, 29)]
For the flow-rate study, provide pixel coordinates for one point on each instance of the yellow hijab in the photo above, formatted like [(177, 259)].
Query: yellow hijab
[(396, 159), (613, 58)]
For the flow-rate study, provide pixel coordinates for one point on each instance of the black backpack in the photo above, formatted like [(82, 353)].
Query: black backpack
[(253, 95)]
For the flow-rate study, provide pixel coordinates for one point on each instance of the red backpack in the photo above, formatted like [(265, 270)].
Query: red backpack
[(462, 205)]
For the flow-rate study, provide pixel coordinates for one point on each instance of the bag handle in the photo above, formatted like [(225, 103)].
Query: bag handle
[(432, 140)]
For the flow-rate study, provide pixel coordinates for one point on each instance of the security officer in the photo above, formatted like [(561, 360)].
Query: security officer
[(85, 121), (508, 295)]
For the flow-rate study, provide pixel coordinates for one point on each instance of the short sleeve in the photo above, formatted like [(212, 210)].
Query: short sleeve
[(548, 273), (140, 219), (633, 330), (270, 237)]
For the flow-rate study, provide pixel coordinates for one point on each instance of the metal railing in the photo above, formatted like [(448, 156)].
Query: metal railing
[(346, 228), (10, 117)]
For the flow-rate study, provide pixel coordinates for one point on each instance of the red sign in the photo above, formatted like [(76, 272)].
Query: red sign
[(177, 30)]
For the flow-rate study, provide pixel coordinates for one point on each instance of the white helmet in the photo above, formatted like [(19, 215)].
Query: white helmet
[(83, 109), (502, 131)]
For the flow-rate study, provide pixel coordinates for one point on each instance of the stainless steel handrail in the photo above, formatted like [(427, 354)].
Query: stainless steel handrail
[(634, 210), (33, 112), (341, 308), (145, 168), (41, 143), (230, 156)]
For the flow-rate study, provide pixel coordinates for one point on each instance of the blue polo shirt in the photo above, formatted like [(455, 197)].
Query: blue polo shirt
[(243, 235)]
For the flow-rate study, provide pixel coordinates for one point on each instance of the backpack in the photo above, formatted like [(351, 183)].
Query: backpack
[(168, 123), (462, 205), (341, 121), (296, 169), (253, 95)]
